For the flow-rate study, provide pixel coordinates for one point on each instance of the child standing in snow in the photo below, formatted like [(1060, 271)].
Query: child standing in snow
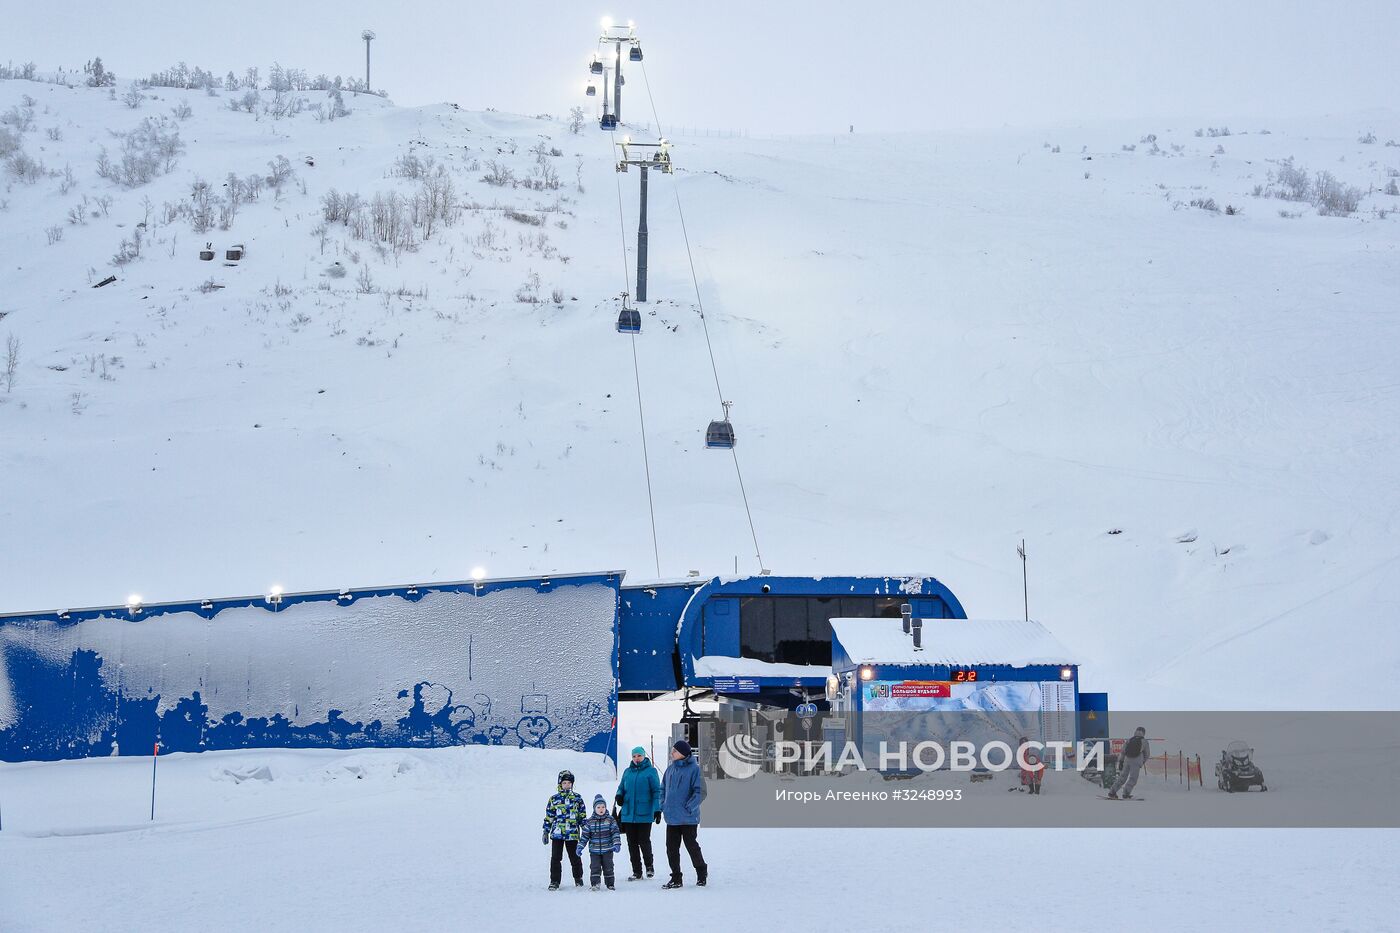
[(562, 816), (1032, 769), (600, 835)]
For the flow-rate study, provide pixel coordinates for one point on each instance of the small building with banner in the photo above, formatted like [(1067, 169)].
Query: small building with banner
[(1003, 680)]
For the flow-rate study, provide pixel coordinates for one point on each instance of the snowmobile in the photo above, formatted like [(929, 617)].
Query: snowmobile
[(1236, 769)]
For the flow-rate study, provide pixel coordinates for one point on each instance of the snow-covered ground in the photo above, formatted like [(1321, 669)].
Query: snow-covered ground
[(938, 344), (449, 838)]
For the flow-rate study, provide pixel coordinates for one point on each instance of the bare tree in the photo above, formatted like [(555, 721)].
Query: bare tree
[(280, 172), (11, 362)]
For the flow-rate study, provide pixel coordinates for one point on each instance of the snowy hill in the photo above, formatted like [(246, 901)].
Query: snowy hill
[(937, 345)]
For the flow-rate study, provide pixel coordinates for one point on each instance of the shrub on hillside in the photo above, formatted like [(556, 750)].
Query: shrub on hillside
[(99, 76), (24, 167), (1332, 198), (183, 76), (148, 151), (533, 220), (410, 166), (20, 116), (1293, 182), (498, 175)]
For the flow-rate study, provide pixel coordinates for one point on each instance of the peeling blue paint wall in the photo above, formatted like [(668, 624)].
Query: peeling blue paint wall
[(523, 662)]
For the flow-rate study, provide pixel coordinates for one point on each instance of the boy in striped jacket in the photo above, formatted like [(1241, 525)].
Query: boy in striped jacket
[(599, 833), (562, 815)]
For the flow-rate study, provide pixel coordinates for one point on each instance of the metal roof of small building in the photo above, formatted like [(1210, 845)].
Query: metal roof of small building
[(1016, 642)]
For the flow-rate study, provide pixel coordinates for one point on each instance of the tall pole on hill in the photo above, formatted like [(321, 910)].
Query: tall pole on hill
[(642, 242), (655, 155), (1025, 593), (368, 36), (617, 36), (617, 82)]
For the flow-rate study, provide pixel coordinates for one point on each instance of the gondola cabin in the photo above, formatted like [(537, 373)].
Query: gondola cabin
[(720, 435)]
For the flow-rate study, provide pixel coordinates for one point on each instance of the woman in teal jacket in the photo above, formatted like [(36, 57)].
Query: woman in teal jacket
[(639, 807)]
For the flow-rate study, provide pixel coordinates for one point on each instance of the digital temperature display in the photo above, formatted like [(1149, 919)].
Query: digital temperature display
[(962, 676)]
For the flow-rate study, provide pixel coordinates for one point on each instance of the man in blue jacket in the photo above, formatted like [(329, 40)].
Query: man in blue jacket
[(639, 805), (682, 790)]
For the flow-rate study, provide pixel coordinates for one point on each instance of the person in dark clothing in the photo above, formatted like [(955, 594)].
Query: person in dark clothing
[(600, 837), (682, 791), (1135, 753), (639, 806), (562, 816)]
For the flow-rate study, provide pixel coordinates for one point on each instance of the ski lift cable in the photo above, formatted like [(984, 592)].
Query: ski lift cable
[(675, 190), (636, 370), (744, 494), (700, 304)]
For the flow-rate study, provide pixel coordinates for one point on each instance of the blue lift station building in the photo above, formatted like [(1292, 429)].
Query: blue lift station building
[(535, 662)]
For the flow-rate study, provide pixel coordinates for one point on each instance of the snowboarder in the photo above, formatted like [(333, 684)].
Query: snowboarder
[(682, 790), (600, 836), (1134, 755), (639, 800), (562, 816), (1032, 770)]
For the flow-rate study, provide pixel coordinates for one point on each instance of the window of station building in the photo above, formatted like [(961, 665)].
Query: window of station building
[(792, 643), (756, 635), (797, 629)]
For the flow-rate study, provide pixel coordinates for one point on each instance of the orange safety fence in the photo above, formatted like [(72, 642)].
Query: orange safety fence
[(1180, 766)]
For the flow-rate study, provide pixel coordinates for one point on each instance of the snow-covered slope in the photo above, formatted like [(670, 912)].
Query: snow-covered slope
[(936, 345)]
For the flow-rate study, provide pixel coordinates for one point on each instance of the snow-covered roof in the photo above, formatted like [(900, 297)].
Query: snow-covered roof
[(719, 666), (950, 641)]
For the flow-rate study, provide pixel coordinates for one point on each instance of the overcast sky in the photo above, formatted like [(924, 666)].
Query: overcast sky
[(783, 66)]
